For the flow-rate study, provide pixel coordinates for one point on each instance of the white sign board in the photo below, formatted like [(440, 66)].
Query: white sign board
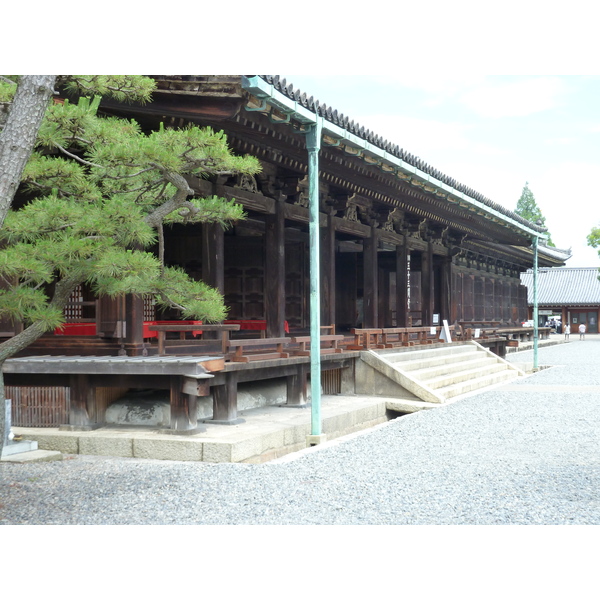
[(445, 333)]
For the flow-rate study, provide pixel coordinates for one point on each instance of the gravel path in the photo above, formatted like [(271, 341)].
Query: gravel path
[(527, 453)]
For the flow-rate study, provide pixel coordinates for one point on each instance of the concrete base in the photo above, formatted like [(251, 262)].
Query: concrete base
[(267, 433), (33, 456), (195, 431), (237, 421), (19, 447), (79, 427), (315, 440)]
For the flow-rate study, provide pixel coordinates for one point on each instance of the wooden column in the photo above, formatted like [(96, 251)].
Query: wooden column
[(213, 256), (134, 324), (275, 272), (446, 291), (370, 280), (426, 285), (297, 386), (82, 400), (402, 285), (327, 282), (225, 400), (183, 407)]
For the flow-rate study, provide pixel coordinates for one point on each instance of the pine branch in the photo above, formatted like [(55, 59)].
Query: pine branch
[(77, 158)]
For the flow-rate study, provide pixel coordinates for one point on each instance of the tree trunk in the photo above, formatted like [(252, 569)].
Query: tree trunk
[(3, 409), (17, 139)]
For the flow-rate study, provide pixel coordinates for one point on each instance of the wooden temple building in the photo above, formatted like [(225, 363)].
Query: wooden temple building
[(401, 245)]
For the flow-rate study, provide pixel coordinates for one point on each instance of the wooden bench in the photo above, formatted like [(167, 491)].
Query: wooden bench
[(163, 329), (330, 341), (523, 333), (392, 337), (259, 349), (364, 339)]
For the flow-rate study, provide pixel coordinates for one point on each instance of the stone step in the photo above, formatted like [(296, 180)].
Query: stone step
[(466, 387), (435, 360), (431, 353), (429, 373), (470, 374)]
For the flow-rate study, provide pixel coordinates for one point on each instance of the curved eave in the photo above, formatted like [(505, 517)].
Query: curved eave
[(270, 98)]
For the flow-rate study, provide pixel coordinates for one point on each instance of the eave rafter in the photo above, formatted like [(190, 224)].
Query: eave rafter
[(269, 144), (373, 154)]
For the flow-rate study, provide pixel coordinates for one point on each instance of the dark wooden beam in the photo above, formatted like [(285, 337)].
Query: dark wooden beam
[(134, 324), (183, 407), (426, 286), (297, 386), (213, 256), (275, 273), (81, 405), (328, 283), (225, 400), (402, 253), (248, 200), (370, 280)]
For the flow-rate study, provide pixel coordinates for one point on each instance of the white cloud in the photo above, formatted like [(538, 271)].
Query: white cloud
[(420, 137), (516, 98)]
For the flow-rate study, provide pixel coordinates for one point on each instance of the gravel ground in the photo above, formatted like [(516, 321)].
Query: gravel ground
[(524, 454)]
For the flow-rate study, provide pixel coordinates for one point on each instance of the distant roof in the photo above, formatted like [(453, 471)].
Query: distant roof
[(564, 285)]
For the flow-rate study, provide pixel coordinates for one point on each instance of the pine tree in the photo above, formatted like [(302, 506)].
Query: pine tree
[(98, 192), (528, 209)]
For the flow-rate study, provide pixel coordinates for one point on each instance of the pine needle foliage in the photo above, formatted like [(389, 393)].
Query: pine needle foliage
[(98, 192), (528, 208)]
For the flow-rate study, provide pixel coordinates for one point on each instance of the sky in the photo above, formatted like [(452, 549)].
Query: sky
[(493, 133), (453, 83)]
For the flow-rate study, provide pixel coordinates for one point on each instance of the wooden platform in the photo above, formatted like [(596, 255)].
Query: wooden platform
[(186, 377)]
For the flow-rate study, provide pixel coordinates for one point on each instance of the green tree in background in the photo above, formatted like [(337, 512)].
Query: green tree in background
[(94, 195), (528, 209), (593, 239)]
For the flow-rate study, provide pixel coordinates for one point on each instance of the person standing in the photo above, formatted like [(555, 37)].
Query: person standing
[(567, 330), (582, 331)]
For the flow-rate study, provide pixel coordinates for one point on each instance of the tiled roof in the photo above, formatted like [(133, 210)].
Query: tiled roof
[(564, 286), (339, 119)]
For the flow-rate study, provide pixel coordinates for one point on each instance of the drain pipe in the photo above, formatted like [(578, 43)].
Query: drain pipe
[(313, 145), (535, 304)]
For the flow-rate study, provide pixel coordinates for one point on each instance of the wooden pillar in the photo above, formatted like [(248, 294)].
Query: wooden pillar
[(184, 412), (134, 324), (82, 402), (426, 285), (183, 407), (225, 400), (275, 272), (370, 280), (213, 256), (297, 386), (446, 291), (402, 285), (327, 282)]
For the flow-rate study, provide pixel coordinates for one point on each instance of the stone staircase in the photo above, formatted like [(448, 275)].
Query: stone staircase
[(444, 373)]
